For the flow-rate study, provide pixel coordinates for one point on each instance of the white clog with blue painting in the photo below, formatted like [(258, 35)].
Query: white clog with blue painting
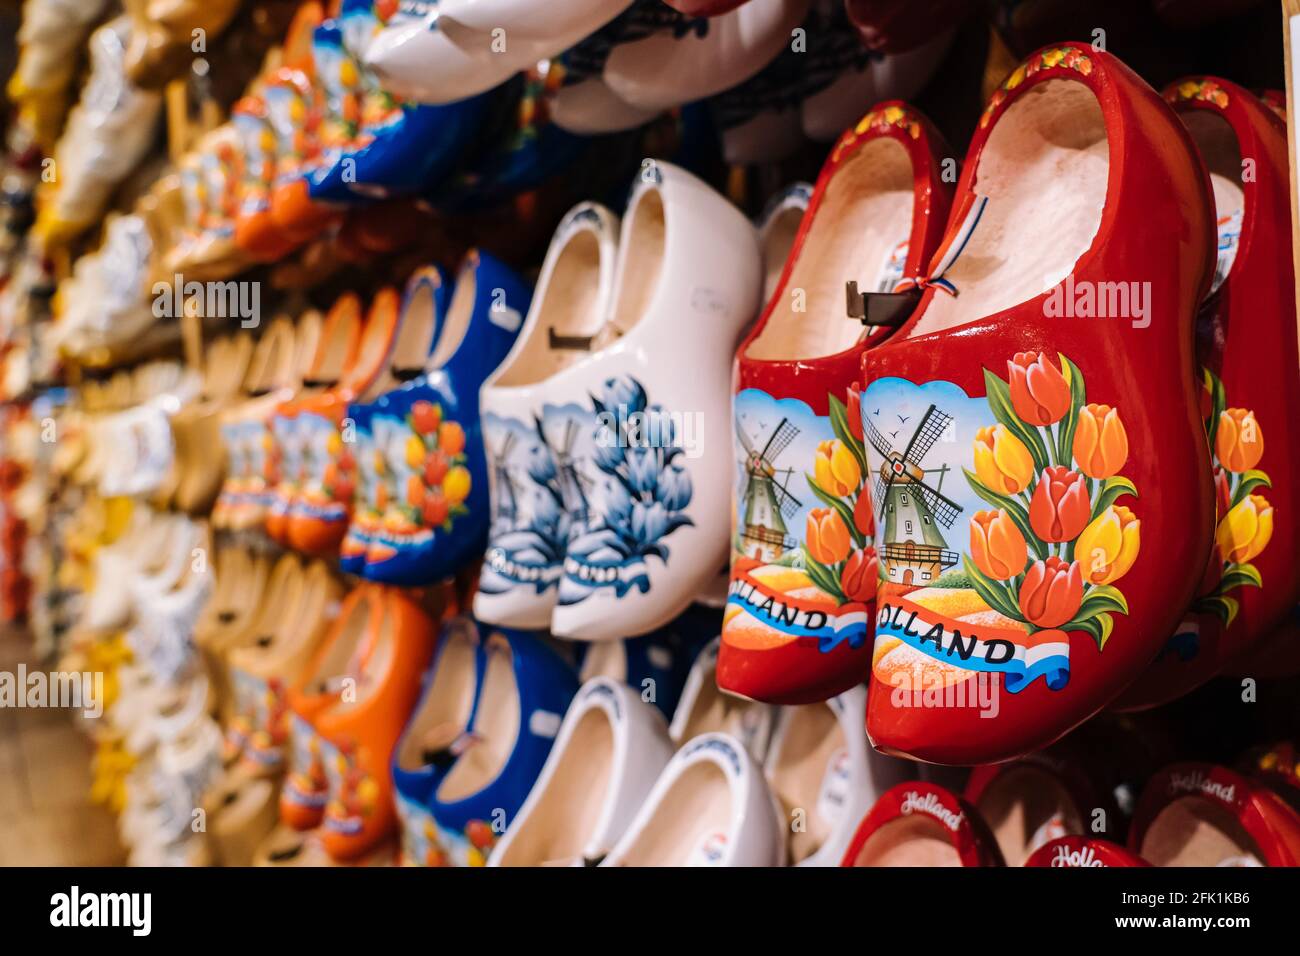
[(524, 692), (777, 227), (703, 708), (609, 751), (711, 806), (647, 468), (826, 776), (536, 424)]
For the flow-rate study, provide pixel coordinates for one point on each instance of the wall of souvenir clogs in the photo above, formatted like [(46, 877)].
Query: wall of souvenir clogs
[(659, 432)]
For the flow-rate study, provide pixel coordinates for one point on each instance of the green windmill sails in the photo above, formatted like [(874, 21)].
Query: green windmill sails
[(767, 502), (911, 511)]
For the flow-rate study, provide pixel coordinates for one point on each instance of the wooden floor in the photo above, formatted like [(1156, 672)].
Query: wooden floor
[(46, 818)]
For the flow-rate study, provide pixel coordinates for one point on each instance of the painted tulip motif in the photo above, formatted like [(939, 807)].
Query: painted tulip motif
[(1059, 509), (836, 469), (1039, 392), (827, 537), (1100, 442), (1051, 592), (1109, 545), (853, 411), (1055, 542), (859, 577), (437, 481), (1245, 517), (1246, 530), (1002, 462), (839, 556), (996, 545), (1238, 443)]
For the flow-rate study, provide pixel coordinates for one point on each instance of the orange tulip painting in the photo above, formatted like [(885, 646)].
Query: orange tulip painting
[(1056, 541), (1039, 392), (1245, 515)]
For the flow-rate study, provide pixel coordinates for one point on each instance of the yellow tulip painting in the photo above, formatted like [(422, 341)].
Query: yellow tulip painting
[(1245, 516), (1057, 540)]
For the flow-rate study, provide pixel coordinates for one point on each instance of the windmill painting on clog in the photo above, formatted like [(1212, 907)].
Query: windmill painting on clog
[(1249, 586), (797, 627), (1025, 481), (428, 431), (532, 417), (688, 272)]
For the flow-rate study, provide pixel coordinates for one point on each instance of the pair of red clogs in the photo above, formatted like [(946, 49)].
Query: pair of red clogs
[(1030, 813), (998, 497)]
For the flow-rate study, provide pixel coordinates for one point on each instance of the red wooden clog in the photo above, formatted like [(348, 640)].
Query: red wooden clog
[(1246, 344), (1033, 431), (1037, 799), (921, 824), (1197, 814), (1075, 852), (803, 566)]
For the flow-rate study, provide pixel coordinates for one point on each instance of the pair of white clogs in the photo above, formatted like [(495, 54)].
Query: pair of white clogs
[(749, 785), (610, 507)]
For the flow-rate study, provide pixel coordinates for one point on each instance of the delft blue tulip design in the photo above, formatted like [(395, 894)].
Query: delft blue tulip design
[(642, 495)]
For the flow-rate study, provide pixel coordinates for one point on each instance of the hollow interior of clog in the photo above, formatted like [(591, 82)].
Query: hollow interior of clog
[(1193, 831), (712, 710), (641, 263), (415, 333), (914, 840), (559, 827), (372, 665), (307, 335), (338, 342), (778, 239), (367, 373), (1044, 170), (496, 729), (810, 753), (1221, 151), (1026, 808), (605, 659), (335, 662), (690, 826), (445, 709), (864, 221), (568, 306), (460, 310)]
